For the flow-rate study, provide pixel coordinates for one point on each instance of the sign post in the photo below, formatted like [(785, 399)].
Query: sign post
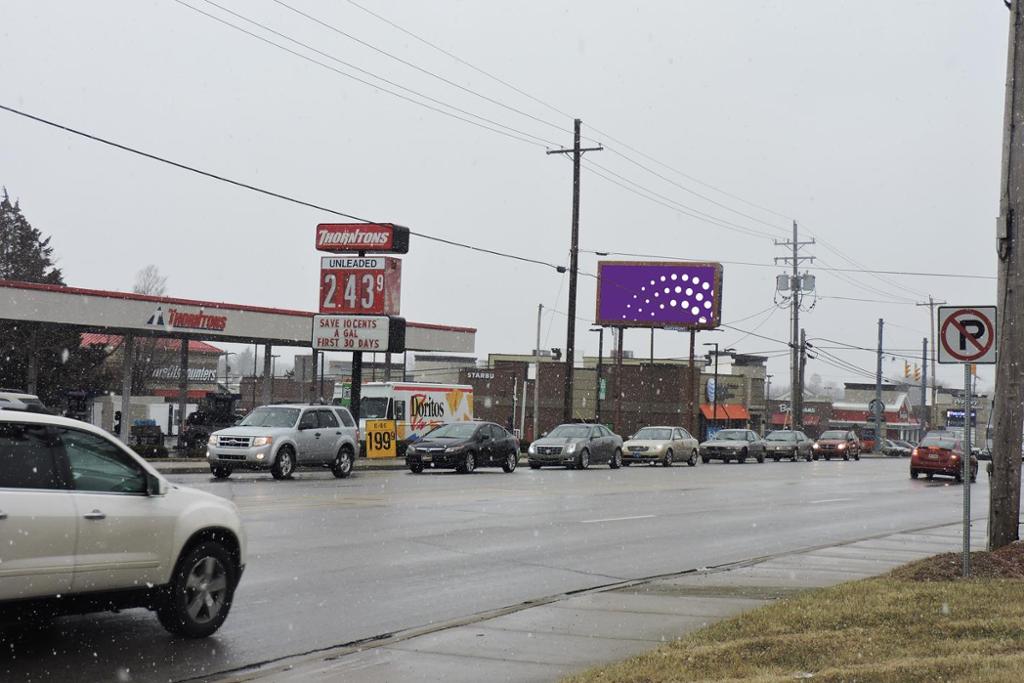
[(967, 336)]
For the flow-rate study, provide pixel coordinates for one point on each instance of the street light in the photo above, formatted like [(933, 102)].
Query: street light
[(714, 398), (600, 367)]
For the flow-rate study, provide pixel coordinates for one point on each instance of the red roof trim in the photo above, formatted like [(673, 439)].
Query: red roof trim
[(131, 296), (167, 343)]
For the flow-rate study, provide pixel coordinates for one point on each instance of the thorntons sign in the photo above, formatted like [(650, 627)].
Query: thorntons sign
[(376, 237)]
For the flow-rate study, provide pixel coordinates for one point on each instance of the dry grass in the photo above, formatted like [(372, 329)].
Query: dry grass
[(888, 629)]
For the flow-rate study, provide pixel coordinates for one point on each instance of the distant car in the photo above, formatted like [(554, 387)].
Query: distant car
[(86, 525), (982, 453), (576, 446), (941, 453), (285, 437), (464, 446), (837, 443), (733, 444), (785, 443), (17, 400), (663, 445), (896, 448)]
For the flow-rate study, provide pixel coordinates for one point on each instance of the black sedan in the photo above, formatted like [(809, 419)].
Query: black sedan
[(464, 446)]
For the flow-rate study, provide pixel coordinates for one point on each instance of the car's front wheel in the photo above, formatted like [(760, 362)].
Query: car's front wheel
[(583, 461), (199, 595), (220, 472), (467, 465), (416, 467), (667, 460), (342, 465), (692, 461), (284, 466), (616, 461)]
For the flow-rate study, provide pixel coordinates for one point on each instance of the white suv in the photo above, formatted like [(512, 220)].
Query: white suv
[(87, 525)]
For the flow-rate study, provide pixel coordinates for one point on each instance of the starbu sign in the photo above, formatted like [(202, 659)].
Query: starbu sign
[(376, 237)]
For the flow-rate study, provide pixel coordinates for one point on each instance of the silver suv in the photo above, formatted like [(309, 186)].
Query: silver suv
[(282, 438)]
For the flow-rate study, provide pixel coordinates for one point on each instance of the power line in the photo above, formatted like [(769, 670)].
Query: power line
[(264, 191), (412, 65), (515, 134)]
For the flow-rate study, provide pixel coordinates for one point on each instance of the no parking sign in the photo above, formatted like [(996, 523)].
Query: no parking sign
[(967, 334)]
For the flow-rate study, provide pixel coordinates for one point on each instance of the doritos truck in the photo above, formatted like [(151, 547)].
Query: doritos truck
[(416, 407)]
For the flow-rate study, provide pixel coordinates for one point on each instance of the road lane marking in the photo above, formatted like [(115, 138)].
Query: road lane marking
[(616, 519), (829, 500)]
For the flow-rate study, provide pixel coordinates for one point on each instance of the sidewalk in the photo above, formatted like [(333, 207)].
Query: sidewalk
[(199, 466), (564, 634)]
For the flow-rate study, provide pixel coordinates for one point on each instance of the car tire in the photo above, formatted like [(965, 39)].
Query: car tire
[(725, 460), (808, 457), (667, 460), (416, 468), (958, 477), (814, 458), (220, 472), (200, 591), (913, 474), (692, 460), (846, 457), (760, 458), (616, 461), (743, 457), (342, 465), (511, 460), (583, 460), (929, 475), (467, 465), (284, 464), (856, 457), (775, 458)]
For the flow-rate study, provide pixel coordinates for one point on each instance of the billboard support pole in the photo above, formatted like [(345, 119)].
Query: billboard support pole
[(694, 384)]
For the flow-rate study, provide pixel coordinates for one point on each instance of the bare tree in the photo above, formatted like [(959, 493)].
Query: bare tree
[(150, 281)]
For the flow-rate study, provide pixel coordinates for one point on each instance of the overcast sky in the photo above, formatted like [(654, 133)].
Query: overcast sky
[(875, 123)]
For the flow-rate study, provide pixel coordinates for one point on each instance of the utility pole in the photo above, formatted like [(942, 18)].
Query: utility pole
[(796, 286), (574, 253), (877, 404), (536, 378), (1004, 501), (924, 388), (798, 417), (600, 367), (931, 304)]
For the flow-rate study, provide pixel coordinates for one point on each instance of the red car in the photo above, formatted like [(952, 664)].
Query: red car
[(940, 453), (837, 443)]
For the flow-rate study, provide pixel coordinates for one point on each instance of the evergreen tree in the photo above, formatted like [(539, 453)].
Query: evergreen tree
[(27, 256)]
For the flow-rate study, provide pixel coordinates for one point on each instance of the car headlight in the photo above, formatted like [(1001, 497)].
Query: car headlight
[(212, 441), (453, 449), (532, 450), (842, 446), (571, 448), (262, 441), (815, 446)]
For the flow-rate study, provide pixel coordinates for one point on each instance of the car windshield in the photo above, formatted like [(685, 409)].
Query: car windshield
[(947, 441), (271, 417), (654, 434), (570, 432), (373, 408), (782, 436), (731, 435), (834, 434), (454, 430)]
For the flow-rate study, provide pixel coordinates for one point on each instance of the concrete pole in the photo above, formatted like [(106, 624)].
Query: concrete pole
[(128, 352), (878, 389), (183, 390), (32, 370), (267, 360), (536, 378), (924, 388)]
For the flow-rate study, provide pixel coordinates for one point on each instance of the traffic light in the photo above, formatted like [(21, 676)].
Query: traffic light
[(917, 373), (906, 369), (556, 354)]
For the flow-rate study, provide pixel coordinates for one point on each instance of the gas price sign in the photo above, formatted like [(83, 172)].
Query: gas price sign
[(360, 285)]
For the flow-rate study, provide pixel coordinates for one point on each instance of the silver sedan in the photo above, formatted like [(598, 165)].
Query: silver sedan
[(785, 443), (661, 445)]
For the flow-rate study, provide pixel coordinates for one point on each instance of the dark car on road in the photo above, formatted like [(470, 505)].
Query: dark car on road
[(577, 446), (941, 453), (786, 443), (464, 446), (733, 444), (837, 443)]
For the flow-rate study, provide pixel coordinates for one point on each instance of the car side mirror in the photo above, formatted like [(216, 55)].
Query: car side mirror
[(155, 486), (485, 437), (543, 434)]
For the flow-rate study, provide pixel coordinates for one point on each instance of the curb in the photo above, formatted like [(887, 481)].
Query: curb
[(199, 466)]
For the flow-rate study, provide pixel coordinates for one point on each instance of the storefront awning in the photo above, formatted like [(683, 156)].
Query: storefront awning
[(726, 411)]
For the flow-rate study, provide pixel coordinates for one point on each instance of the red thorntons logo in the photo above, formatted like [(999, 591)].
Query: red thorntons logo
[(187, 321), (353, 237)]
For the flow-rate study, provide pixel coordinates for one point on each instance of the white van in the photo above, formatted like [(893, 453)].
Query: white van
[(416, 407)]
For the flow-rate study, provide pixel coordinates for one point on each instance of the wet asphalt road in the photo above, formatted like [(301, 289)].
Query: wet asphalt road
[(332, 561)]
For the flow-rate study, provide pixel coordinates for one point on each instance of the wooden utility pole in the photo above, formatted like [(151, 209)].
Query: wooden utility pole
[(1008, 419), (574, 254), (931, 304)]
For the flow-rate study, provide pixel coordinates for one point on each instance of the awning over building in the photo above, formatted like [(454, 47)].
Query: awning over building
[(726, 411)]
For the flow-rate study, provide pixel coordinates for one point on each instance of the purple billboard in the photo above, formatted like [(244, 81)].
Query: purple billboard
[(659, 294)]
